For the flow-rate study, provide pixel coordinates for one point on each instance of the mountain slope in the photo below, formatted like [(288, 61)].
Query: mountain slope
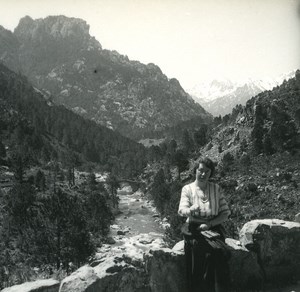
[(59, 56), (49, 131)]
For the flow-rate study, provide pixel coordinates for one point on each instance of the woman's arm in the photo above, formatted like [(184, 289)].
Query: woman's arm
[(208, 224), (223, 211), (222, 217), (185, 203)]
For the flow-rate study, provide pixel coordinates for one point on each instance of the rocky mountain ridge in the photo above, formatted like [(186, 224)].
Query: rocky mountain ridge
[(59, 57), (220, 96)]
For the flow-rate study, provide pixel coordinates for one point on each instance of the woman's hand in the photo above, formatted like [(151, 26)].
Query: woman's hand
[(203, 227), (195, 210)]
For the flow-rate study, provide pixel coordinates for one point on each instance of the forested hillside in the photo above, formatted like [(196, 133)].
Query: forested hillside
[(45, 131), (54, 212)]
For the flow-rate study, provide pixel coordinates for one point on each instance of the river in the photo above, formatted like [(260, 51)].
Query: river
[(137, 227), (137, 214)]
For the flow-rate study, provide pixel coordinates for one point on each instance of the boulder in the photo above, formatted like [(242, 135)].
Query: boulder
[(49, 285), (277, 244), (81, 280), (166, 270), (179, 246), (110, 240), (111, 275)]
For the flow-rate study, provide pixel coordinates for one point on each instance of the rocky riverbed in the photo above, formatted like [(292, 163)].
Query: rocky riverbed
[(137, 228)]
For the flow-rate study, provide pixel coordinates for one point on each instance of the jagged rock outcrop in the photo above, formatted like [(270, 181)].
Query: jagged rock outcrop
[(59, 57), (57, 27)]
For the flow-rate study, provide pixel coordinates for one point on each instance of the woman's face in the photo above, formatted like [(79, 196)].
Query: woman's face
[(203, 172)]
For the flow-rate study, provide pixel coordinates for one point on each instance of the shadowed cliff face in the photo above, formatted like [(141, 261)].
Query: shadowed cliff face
[(59, 56)]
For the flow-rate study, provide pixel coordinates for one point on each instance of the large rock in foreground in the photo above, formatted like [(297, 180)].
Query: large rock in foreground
[(49, 285), (267, 250), (115, 268), (106, 277), (160, 270), (277, 244), (166, 270)]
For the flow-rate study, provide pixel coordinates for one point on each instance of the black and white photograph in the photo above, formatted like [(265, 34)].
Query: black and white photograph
[(150, 146)]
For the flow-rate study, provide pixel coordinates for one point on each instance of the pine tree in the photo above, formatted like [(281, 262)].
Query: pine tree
[(200, 136), (113, 183), (40, 180), (181, 162), (283, 131), (187, 142), (19, 163), (245, 162), (2, 150), (258, 132), (267, 145), (160, 191)]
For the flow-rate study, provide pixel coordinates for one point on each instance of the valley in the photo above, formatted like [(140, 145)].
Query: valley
[(71, 111)]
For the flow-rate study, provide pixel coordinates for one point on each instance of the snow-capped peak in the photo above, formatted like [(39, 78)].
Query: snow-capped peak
[(219, 96), (213, 89)]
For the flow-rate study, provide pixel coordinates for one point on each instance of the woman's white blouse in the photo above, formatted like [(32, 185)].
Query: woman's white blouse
[(213, 205)]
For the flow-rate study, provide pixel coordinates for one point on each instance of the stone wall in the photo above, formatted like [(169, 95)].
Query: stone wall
[(267, 255)]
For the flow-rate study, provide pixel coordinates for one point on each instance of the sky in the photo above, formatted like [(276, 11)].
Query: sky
[(190, 40)]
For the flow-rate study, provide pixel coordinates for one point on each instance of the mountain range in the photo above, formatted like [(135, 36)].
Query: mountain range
[(61, 59), (220, 96)]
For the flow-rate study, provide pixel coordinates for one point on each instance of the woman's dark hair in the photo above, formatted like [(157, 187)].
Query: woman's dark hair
[(207, 162)]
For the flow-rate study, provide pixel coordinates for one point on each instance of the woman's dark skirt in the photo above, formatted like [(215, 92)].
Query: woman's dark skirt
[(206, 260)]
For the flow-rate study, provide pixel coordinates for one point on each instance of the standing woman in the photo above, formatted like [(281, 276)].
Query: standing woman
[(204, 205)]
